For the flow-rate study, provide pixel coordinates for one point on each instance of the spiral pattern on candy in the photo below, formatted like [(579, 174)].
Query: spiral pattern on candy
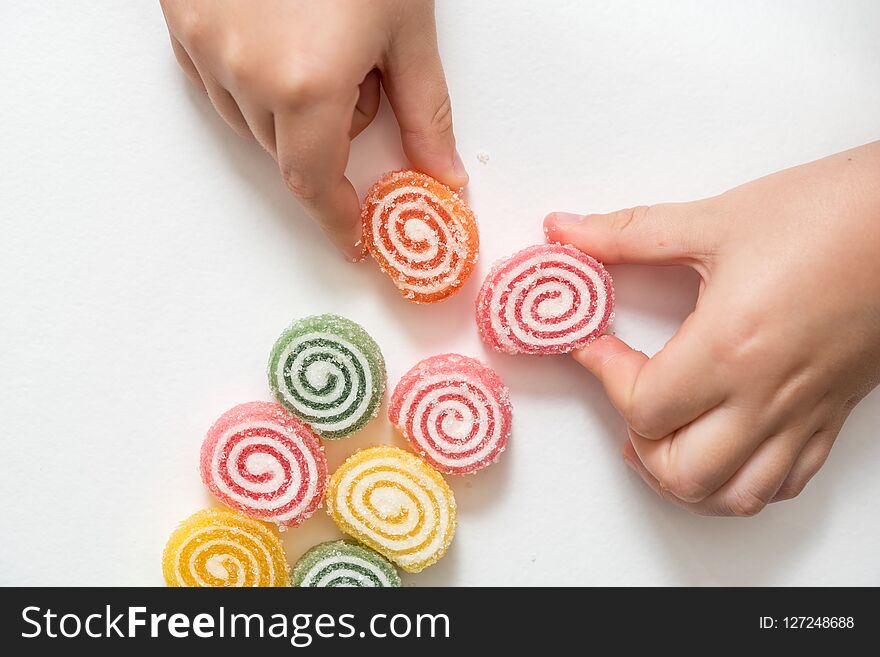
[(454, 411), (395, 503), (216, 547), (265, 463), (422, 234), (344, 564), (328, 372), (545, 299)]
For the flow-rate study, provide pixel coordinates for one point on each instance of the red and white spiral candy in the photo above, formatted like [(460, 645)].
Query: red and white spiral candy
[(546, 299), (454, 411), (265, 463)]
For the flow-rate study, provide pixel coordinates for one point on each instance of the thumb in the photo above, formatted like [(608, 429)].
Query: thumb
[(617, 366), (656, 396), (416, 88), (665, 234)]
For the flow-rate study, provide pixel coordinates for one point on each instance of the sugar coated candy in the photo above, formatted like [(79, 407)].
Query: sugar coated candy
[(328, 372), (422, 234), (260, 460), (216, 547), (546, 299), (395, 503), (454, 411), (344, 564)]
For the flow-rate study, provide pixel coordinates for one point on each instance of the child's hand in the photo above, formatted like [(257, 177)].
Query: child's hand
[(743, 404), (303, 79)]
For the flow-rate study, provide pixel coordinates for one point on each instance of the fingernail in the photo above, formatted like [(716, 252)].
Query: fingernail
[(458, 168), (567, 218), (630, 464)]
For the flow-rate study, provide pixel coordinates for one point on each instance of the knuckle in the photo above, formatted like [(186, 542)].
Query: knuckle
[(745, 503), (851, 402), (643, 421), (304, 84), (700, 510), (741, 340), (623, 220), (792, 396), (441, 121), (190, 28), (789, 491), (238, 64), (685, 486), (240, 127), (666, 496), (794, 486), (302, 187), (643, 415)]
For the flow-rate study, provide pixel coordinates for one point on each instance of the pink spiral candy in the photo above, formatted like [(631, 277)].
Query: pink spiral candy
[(265, 463), (546, 299), (454, 411)]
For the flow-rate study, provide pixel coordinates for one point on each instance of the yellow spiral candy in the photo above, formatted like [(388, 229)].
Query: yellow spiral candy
[(394, 502), (216, 547)]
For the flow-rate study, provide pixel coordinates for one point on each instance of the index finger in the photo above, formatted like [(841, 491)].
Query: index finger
[(313, 146)]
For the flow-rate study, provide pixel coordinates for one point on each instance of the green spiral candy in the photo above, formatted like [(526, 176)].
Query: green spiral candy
[(344, 563), (328, 372)]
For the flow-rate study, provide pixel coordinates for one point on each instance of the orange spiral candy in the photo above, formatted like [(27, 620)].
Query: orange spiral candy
[(422, 234)]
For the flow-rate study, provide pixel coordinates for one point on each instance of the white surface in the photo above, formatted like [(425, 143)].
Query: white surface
[(150, 258)]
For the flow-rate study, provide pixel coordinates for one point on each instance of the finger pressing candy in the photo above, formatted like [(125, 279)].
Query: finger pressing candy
[(395, 503), (422, 234), (344, 564), (216, 547), (265, 463), (546, 299), (329, 372), (454, 411)]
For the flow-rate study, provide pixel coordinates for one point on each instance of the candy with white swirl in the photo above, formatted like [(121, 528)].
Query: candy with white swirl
[(454, 411), (421, 233), (344, 564), (330, 373), (546, 299), (260, 460), (216, 547), (395, 503)]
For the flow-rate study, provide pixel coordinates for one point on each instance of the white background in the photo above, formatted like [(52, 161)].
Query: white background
[(149, 258)]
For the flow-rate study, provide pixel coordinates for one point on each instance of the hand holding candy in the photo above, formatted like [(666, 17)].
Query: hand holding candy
[(303, 79), (546, 299), (743, 404)]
